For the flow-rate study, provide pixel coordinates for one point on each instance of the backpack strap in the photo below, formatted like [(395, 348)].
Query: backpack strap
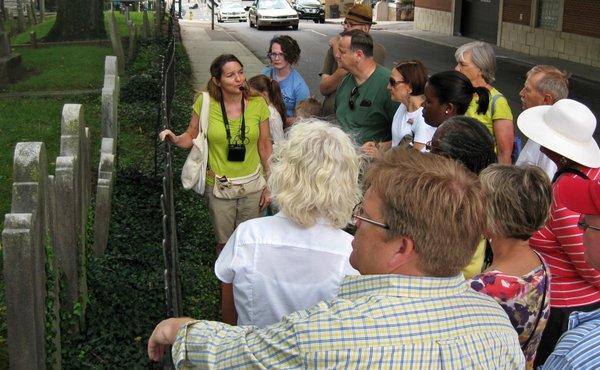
[(493, 103), (569, 170)]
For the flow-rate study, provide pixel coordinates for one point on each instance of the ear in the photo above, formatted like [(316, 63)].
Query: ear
[(403, 253), (549, 99), (450, 109), (215, 81)]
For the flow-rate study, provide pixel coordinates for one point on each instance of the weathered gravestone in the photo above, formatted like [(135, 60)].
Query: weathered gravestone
[(10, 63), (116, 42), (72, 186), (106, 175), (110, 98), (24, 241), (127, 14), (132, 40), (145, 25)]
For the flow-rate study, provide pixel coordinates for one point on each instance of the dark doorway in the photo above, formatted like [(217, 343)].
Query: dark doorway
[(479, 19)]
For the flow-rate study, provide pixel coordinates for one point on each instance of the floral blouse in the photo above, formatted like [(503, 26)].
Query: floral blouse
[(520, 296)]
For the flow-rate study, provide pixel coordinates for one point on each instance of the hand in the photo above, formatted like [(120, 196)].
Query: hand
[(167, 135), (265, 199), (163, 336), (370, 148)]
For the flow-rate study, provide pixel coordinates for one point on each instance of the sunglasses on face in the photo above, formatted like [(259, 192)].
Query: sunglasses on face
[(393, 82), (353, 96)]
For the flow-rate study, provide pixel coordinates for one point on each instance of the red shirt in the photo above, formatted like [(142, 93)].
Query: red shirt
[(574, 283)]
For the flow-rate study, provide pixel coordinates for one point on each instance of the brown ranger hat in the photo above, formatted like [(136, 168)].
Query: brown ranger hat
[(360, 14)]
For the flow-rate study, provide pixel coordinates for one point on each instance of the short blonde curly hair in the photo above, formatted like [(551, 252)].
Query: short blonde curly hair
[(315, 173)]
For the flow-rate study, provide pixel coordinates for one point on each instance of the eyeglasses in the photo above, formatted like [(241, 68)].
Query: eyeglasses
[(353, 95), (395, 82), (584, 226), (275, 55), (356, 215), (349, 24)]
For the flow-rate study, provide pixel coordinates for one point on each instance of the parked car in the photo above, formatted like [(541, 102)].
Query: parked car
[(310, 9), (231, 12), (272, 13)]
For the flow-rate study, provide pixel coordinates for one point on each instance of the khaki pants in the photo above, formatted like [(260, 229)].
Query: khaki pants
[(227, 214)]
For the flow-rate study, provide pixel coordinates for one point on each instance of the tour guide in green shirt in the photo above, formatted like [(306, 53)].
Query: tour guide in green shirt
[(410, 308), (363, 106)]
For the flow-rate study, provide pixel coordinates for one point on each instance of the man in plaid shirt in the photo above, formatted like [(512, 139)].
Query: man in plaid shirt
[(417, 227)]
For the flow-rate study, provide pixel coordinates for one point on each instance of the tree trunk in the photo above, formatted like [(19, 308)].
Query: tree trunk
[(78, 20)]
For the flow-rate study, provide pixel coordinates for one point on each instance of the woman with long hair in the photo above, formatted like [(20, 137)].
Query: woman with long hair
[(239, 144), (269, 89)]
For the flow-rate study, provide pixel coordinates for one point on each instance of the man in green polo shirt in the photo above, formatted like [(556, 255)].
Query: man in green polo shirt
[(363, 106)]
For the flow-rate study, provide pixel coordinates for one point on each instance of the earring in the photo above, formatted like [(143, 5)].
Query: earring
[(446, 111)]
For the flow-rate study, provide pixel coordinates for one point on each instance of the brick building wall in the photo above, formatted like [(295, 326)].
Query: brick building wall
[(442, 5), (517, 11), (581, 17)]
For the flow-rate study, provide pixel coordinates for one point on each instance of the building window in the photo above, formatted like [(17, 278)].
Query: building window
[(548, 13)]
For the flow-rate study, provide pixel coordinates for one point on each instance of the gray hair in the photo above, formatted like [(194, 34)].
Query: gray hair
[(553, 81), (482, 55), (315, 173)]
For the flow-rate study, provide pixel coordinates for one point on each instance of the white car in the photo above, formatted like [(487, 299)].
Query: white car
[(231, 12), (272, 13)]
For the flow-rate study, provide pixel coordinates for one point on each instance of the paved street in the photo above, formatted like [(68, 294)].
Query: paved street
[(313, 39)]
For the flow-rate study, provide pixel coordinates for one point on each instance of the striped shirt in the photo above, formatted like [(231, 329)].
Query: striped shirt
[(377, 321), (578, 347), (560, 242)]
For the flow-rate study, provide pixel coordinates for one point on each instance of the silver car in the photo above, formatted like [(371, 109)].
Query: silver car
[(231, 12), (272, 13)]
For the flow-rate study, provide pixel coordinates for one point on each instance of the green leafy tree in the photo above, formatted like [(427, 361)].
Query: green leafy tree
[(78, 20)]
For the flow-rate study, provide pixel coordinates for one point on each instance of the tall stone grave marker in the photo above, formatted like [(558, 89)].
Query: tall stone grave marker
[(106, 173), (10, 63), (110, 98), (24, 240), (116, 42)]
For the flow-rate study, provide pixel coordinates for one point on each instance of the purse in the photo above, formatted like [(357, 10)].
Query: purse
[(193, 173), (238, 187)]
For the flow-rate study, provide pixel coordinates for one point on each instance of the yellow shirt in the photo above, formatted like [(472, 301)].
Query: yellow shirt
[(474, 267), (501, 110)]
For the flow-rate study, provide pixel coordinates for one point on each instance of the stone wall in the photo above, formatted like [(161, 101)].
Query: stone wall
[(433, 20), (549, 43)]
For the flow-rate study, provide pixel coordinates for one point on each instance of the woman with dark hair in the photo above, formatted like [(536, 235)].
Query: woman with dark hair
[(283, 53), (239, 144), (406, 86), (477, 61), (269, 89), (448, 94), (466, 140)]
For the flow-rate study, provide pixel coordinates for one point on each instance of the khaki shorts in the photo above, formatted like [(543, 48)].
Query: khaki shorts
[(227, 214)]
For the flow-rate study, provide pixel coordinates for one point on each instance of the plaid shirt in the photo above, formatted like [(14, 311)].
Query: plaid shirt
[(377, 321)]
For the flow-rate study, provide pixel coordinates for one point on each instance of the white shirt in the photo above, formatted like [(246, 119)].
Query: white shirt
[(412, 123), (278, 267), (531, 154), (275, 124)]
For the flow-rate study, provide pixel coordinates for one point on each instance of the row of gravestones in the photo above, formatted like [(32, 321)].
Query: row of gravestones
[(25, 14), (46, 227), (115, 36)]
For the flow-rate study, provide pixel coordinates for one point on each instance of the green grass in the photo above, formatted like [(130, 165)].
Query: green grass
[(61, 68), (41, 30), (38, 119)]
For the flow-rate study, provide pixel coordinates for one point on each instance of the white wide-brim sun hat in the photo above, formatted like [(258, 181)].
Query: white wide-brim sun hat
[(566, 128)]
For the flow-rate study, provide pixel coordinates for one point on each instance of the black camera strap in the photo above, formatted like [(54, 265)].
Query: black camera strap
[(226, 122)]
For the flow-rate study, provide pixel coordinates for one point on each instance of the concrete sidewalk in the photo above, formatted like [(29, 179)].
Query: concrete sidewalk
[(203, 45)]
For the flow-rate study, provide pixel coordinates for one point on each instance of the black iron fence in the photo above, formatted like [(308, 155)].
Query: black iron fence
[(170, 250)]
